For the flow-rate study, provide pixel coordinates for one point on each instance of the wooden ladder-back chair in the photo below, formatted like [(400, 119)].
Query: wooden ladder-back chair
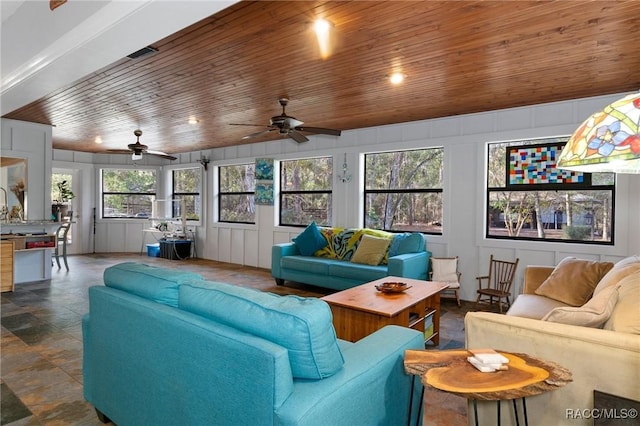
[(497, 285), (445, 269)]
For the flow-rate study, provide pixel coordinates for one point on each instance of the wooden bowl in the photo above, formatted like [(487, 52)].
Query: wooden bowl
[(392, 287)]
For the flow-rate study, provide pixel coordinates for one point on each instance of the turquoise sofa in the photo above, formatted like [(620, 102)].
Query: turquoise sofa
[(332, 266), (165, 347)]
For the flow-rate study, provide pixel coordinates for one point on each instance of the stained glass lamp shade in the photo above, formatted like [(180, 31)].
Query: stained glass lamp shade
[(608, 141)]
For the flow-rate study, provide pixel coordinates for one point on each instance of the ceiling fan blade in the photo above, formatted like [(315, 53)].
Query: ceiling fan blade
[(118, 151), (319, 130), (161, 154), (246, 124), (298, 137), (263, 132)]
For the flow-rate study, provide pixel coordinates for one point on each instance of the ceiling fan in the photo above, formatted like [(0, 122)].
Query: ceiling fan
[(289, 126), (137, 149)]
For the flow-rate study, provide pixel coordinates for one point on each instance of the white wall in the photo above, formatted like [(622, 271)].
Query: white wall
[(20, 139), (464, 139)]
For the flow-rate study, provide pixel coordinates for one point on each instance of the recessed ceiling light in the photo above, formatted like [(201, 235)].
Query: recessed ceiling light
[(397, 78), (98, 140), (193, 120), (322, 28)]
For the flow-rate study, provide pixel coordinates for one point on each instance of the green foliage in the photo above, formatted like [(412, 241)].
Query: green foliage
[(237, 178), (186, 180), (61, 188), (403, 179), (129, 191), (577, 232), (308, 174)]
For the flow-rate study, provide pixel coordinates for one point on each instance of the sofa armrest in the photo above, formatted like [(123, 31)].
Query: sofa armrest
[(410, 265), (372, 388), (598, 359), (278, 251), (534, 276)]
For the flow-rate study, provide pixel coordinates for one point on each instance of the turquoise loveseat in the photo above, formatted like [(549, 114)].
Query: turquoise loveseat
[(324, 258), (164, 347)]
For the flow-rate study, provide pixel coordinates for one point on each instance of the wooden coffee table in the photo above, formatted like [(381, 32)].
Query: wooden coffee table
[(360, 311)]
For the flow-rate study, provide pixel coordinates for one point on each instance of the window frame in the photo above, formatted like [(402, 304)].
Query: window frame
[(587, 185), (283, 192), (178, 195), (222, 193), (439, 190), (152, 195)]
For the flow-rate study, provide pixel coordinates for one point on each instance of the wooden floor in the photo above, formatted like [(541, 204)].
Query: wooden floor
[(41, 360)]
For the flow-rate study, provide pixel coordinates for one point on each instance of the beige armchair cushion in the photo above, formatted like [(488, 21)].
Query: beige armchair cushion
[(445, 269), (573, 280), (592, 314), (626, 316)]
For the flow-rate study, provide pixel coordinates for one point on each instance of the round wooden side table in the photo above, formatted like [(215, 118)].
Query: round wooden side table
[(449, 371)]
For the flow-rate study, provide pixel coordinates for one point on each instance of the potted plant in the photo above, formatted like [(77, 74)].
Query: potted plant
[(60, 205)]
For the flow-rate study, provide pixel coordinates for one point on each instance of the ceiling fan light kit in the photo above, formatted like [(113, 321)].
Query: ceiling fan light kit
[(137, 149), (288, 126)]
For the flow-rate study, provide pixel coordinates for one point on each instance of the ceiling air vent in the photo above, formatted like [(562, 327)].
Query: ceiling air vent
[(145, 51)]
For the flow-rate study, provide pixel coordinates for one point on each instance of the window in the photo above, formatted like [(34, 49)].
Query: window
[(529, 199), (236, 193), (128, 193), (186, 188), (403, 190), (306, 191)]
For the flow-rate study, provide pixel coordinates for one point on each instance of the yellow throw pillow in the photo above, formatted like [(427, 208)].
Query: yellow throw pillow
[(371, 250), (573, 280)]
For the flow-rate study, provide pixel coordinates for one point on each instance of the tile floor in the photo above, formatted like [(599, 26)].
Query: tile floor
[(41, 341)]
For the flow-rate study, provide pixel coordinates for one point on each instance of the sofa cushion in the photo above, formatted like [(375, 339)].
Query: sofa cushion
[(157, 284), (371, 250), (625, 317), (573, 280), (592, 314), (357, 271), (310, 240), (408, 242), (302, 325), (533, 306), (623, 268), (309, 264)]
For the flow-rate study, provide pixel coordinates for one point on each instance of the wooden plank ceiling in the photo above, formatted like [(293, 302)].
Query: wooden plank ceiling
[(458, 57)]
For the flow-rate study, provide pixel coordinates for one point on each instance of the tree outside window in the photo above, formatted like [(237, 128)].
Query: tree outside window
[(306, 191), (403, 190), (128, 193), (187, 187), (549, 204), (236, 193)]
